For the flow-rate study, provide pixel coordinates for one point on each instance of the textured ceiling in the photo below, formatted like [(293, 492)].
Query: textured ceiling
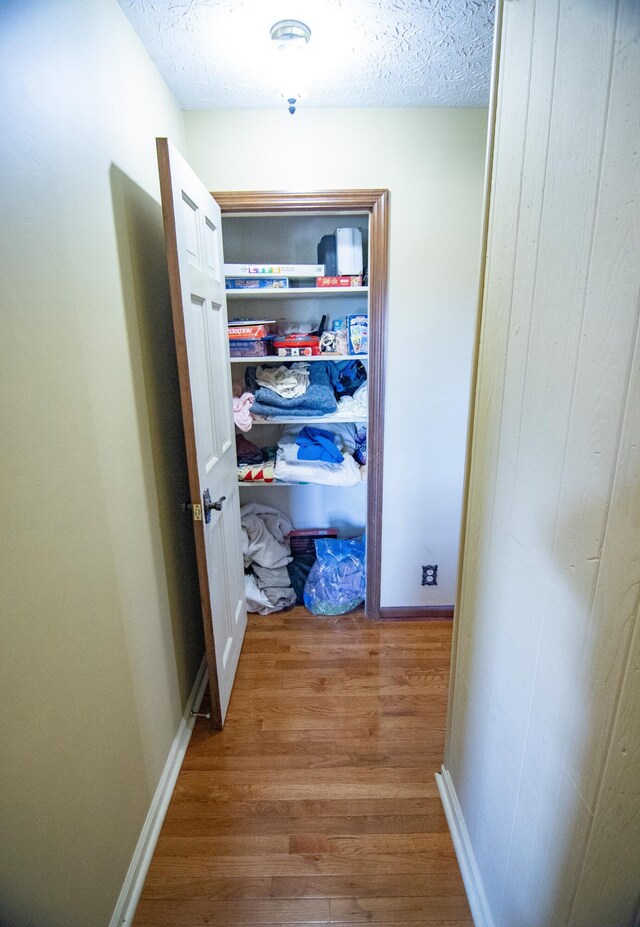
[(216, 53)]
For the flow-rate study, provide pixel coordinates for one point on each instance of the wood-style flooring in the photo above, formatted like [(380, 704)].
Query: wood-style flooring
[(317, 804)]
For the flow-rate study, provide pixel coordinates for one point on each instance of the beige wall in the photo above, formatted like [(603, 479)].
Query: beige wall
[(432, 161), (544, 737), (98, 653)]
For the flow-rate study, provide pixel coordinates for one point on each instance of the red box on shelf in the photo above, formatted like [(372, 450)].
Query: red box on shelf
[(245, 331), (297, 345), (339, 281)]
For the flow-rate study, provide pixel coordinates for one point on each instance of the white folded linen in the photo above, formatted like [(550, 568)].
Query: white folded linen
[(346, 473), (288, 382), (356, 406)]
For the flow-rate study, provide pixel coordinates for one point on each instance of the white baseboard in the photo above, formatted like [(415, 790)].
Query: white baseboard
[(478, 903), (129, 897)]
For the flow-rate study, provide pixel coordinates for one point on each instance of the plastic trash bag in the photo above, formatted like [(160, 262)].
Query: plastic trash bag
[(336, 582)]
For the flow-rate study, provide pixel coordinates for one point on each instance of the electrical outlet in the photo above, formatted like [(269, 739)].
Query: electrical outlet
[(430, 574)]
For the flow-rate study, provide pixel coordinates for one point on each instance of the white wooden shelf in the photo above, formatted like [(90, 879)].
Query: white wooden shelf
[(327, 419), (273, 359), (262, 485), (293, 291)]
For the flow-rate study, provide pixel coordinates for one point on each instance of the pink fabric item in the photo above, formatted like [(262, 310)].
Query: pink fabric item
[(241, 411)]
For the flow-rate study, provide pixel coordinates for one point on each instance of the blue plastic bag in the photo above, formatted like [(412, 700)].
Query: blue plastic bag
[(337, 580)]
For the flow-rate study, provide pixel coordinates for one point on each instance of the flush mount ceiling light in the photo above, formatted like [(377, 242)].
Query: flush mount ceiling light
[(290, 38)]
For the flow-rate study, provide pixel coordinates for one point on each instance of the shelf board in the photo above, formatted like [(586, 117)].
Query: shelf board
[(293, 291), (274, 359), (309, 421), (242, 483)]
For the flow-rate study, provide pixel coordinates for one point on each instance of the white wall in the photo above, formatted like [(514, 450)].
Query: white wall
[(544, 741), (432, 161), (100, 636)]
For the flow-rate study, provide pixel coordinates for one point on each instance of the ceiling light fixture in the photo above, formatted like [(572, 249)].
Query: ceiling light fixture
[(290, 38)]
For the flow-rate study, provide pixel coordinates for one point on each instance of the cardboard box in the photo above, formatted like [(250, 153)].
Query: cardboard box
[(339, 281), (254, 347), (358, 334), (303, 541), (273, 270), (257, 283), (245, 331)]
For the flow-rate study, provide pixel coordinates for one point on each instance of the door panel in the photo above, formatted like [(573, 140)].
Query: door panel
[(196, 264)]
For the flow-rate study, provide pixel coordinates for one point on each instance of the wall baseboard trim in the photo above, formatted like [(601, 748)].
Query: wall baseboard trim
[(417, 613), (129, 897), (478, 903)]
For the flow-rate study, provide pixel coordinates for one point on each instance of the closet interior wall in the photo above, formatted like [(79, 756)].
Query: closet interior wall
[(293, 239)]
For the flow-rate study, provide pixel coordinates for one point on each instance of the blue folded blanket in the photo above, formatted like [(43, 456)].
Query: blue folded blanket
[(319, 399), (318, 444)]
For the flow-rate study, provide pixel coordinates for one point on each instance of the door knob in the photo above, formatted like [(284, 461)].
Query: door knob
[(208, 505)]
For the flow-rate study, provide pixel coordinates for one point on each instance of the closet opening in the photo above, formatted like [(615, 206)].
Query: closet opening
[(335, 493)]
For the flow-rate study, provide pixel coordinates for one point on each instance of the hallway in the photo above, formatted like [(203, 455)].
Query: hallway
[(317, 804)]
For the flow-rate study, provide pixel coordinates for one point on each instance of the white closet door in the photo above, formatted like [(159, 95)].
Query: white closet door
[(196, 272)]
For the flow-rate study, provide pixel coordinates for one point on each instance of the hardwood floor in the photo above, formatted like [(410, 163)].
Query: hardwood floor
[(317, 804)]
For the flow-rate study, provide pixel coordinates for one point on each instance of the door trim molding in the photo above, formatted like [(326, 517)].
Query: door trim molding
[(376, 204), (476, 896), (475, 361), (129, 896), (417, 613)]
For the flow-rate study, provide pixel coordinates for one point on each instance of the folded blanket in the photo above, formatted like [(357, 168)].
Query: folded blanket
[(319, 399), (251, 470), (288, 382), (258, 473), (317, 444), (346, 473)]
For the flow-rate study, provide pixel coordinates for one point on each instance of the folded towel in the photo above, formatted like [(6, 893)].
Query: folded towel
[(288, 382)]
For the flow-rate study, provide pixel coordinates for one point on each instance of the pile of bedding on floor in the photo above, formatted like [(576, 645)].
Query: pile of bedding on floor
[(266, 551), (274, 578)]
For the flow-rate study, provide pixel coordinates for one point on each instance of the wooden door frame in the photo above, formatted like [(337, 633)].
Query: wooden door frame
[(376, 204)]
